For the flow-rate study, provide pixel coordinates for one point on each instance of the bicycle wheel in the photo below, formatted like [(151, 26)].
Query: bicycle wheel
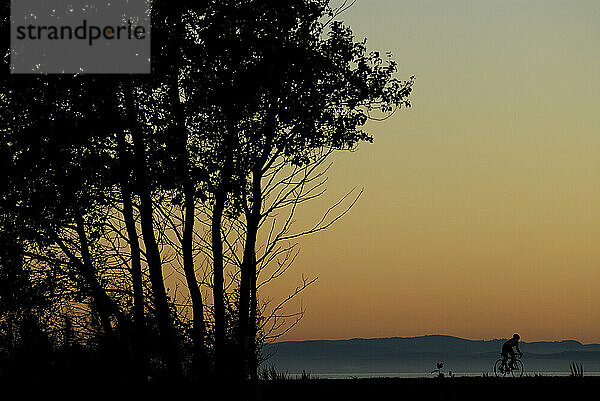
[(500, 369), (518, 369)]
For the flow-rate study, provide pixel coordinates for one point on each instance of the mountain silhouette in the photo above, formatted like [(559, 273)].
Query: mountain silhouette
[(420, 354)]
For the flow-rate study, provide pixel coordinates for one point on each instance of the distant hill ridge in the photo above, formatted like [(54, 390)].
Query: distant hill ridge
[(432, 343), (410, 353)]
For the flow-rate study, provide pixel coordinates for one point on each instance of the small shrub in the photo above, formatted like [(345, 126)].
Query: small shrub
[(305, 375), (271, 374), (439, 371)]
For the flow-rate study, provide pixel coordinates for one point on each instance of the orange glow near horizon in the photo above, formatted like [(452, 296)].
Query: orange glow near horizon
[(481, 210)]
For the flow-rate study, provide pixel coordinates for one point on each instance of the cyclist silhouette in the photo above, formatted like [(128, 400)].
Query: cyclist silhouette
[(507, 349)]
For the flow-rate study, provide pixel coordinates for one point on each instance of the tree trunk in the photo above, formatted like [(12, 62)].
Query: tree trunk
[(220, 198), (248, 277), (161, 302), (104, 305), (190, 276), (139, 338), (253, 330), (218, 299), (159, 294), (175, 52), (134, 246), (101, 299)]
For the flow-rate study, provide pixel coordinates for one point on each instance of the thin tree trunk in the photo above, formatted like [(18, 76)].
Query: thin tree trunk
[(101, 299), (139, 338), (190, 275), (136, 265), (176, 52), (134, 246), (253, 330), (220, 198), (104, 304), (218, 299), (161, 302), (248, 276), (159, 294), (244, 305)]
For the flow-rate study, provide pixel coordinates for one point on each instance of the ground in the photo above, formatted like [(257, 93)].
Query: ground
[(457, 388), (533, 388)]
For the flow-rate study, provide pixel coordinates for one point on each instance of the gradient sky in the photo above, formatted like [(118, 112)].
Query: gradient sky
[(481, 211)]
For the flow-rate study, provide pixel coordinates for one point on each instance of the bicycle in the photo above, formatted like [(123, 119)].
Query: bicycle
[(501, 367)]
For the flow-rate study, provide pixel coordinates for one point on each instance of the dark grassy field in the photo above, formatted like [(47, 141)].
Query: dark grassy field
[(86, 384), (457, 388), (423, 389)]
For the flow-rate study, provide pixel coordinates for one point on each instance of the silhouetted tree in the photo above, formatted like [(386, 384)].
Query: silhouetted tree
[(105, 177), (289, 84)]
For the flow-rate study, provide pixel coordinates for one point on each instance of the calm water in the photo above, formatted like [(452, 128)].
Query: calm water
[(418, 375)]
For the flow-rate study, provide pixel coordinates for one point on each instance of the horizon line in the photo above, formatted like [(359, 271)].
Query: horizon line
[(431, 335)]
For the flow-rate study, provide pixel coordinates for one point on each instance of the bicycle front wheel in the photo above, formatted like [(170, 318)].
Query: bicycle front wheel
[(500, 369), (518, 369)]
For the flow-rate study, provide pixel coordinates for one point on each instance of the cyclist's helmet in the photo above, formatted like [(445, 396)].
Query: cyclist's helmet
[(516, 336)]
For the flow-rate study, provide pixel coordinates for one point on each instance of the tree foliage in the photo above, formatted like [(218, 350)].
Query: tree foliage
[(114, 183)]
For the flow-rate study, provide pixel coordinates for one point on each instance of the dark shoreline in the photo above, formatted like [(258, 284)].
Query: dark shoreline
[(423, 389), (455, 388)]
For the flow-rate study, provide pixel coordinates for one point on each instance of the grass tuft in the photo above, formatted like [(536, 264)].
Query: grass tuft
[(271, 374), (576, 369)]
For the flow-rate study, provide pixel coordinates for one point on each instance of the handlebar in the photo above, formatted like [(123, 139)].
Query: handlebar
[(517, 355)]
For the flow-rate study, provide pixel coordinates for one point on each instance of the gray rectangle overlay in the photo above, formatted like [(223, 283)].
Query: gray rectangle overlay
[(80, 37)]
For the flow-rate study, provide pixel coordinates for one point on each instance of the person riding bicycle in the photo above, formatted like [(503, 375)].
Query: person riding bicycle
[(507, 349)]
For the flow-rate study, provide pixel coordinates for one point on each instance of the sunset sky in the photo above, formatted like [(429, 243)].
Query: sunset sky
[(481, 210)]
